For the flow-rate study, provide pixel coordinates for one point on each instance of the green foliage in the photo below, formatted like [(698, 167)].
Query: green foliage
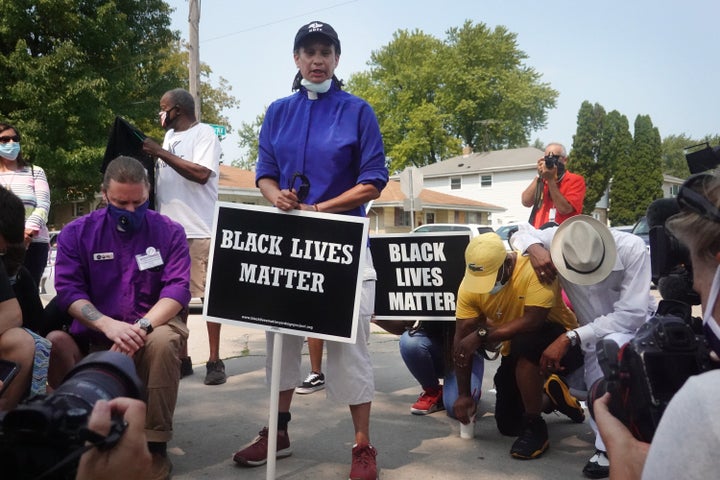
[(249, 139), (70, 66), (674, 148), (639, 181), (433, 96), (586, 158)]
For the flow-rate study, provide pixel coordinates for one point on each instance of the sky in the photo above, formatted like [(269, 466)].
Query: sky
[(639, 57)]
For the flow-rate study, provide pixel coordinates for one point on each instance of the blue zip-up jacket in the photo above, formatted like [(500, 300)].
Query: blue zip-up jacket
[(334, 140)]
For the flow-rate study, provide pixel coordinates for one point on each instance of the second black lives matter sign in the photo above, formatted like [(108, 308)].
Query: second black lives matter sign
[(296, 272), (418, 274)]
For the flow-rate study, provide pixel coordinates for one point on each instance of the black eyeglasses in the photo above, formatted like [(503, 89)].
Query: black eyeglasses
[(303, 189), (689, 198), (14, 138)]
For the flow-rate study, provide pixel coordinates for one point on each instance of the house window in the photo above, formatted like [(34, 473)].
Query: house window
[(429, 218), (402, 218), (674, 189), (485, 181), (455, 183)]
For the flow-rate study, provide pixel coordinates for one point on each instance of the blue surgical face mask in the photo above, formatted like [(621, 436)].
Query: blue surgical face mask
[(710, 326), (498, 284), (10, 150), (126, 220)]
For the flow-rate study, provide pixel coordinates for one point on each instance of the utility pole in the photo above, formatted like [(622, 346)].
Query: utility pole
[(194, 51)]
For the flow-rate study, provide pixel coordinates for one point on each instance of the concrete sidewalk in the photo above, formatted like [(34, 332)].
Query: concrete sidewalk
[(212, 422)]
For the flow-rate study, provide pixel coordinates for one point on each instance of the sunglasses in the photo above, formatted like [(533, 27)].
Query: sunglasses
[(303, 189), (14, 138), (689, 199)]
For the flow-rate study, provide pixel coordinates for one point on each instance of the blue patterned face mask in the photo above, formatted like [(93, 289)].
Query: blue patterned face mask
[(126, 220), (10, 150)]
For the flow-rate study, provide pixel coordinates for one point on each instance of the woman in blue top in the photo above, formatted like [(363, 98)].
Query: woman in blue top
[(321, 150)]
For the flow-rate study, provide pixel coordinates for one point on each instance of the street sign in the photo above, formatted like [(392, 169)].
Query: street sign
[(220, 130), (411, 182), (412, 205)]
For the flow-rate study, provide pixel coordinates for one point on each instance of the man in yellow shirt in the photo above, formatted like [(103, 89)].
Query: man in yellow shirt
[(501, 299)]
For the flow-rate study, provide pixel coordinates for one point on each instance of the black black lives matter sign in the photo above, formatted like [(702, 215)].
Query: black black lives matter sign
[(418, 274), (292, 272)]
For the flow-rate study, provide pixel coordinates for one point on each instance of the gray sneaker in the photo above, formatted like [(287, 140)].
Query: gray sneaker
[(215, 373)]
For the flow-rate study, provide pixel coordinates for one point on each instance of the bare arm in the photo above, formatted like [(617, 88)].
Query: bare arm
[(287, 199), (187, 169)]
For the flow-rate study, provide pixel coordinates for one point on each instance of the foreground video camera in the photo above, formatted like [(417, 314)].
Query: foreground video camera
[(45, 430), (645, 373)]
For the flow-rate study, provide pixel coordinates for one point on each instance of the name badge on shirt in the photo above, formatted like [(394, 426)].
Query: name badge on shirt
[(551, 217), (150, 259), (103, 256)]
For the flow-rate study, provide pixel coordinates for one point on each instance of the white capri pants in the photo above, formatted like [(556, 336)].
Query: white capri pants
[(348, 372)]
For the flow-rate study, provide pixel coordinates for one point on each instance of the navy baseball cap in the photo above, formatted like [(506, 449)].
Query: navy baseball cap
[(317, 28)]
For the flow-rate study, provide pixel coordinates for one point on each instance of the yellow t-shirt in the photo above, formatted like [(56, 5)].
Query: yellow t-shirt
[(523, 289)]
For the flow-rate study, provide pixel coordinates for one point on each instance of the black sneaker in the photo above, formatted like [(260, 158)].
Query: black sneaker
[(598, 466), (186, 367), (314, 382), (562, 399), (215, 373), (533, 440)]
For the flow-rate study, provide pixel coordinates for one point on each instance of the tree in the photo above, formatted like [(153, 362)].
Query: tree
[(639, 181), (249, 139), (69, 67), (433, 96), (586, 157)]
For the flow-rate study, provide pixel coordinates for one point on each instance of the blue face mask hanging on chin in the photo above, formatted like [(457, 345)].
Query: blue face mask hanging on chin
[(126, 220), (498, 284)]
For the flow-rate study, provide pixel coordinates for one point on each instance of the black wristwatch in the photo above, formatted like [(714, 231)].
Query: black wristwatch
[(145, 324)]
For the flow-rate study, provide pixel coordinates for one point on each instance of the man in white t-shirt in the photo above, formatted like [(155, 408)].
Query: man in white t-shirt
[(187, 174)]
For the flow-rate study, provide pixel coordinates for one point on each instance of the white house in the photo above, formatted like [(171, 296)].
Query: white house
[(497, 178)]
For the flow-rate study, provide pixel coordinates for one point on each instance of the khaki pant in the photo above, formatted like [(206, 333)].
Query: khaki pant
[(158, 366)]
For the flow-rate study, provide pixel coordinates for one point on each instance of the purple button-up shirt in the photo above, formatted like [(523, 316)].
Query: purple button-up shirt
[(122, 274)]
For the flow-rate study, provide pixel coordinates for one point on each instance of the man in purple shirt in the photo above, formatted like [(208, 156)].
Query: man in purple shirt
[(123, 274)]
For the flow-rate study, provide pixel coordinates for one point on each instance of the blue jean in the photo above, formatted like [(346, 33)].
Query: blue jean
[(425, 359)]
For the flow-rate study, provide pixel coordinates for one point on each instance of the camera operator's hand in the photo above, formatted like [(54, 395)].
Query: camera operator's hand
[(627, 454), (130, 458), (547, 174), (542, 263)]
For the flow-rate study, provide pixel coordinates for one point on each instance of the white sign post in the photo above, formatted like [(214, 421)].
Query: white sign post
[(411, 184)]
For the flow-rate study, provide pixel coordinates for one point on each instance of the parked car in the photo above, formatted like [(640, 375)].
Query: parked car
[(642, 230), (47, 281), (474, 228)]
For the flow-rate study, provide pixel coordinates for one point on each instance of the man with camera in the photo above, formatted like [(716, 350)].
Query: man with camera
[(606, 275), (123, 274), (555, 194), (502, 300), (687, 437)]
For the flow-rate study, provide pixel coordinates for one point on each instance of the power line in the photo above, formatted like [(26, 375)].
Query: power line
[(275, 22)]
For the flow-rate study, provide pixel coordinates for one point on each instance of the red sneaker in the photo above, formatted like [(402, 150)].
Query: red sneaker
[(363, 462), (255, 454), (429, 401)]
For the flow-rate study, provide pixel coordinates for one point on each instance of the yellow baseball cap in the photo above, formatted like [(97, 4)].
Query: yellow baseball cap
[(484, 256)]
